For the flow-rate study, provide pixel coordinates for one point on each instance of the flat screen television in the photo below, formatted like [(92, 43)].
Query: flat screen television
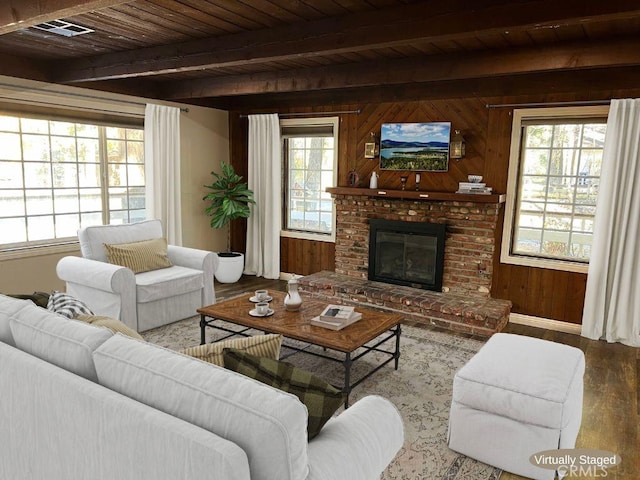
[(415, 146)]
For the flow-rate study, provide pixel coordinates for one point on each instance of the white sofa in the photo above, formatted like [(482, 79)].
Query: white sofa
[(80, 403), (146, 300)]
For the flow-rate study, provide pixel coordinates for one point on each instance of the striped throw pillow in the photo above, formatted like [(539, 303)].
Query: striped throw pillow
[(139, 256), (320, 398), (267, 346), (116, 326), (66, 305)]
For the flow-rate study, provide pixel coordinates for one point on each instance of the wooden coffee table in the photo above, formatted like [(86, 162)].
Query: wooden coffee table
[(295, 325)]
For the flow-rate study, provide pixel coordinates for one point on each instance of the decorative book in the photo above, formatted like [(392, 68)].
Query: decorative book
[(336, 317)]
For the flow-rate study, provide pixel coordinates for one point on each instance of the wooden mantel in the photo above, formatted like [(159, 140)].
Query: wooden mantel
[(418, 195)]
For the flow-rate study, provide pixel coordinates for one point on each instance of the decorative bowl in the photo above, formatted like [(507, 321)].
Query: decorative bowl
[(475, 178)]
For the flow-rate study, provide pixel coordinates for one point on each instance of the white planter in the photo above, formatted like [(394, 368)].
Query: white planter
[(229, 267)]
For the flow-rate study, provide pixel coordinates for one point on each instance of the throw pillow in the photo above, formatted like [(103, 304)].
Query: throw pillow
[(66, 305), (41, 299), (141, 256), (320, 398), (116, 326), (260, 345)]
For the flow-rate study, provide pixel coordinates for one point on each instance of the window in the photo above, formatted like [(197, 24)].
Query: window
[(310, 152), (58, 176), (554, 171)]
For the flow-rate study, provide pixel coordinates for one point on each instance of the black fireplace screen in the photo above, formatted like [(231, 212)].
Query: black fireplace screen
[(407, 253)]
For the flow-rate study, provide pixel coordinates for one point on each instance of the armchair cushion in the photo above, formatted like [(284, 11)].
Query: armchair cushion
[(93, 238), (66, 305), (142, 256), (166, 283)]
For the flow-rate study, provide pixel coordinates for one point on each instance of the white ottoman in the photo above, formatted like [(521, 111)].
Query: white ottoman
[(517, 396)]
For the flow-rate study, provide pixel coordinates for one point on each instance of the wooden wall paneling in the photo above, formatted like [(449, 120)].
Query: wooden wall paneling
[(530, 293), (545, 293), (238, 153), (550, 287), (371, 119), (347, 144), (557, 291), (496, 166), (574, 299)]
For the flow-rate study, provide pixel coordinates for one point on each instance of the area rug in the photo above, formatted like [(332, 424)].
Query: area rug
[(421, 389)]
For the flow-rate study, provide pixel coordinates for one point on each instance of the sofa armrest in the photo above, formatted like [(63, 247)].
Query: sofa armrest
[(98, 275), (359, 443)]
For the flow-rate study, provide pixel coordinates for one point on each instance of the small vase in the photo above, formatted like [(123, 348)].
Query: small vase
[(293, 300)]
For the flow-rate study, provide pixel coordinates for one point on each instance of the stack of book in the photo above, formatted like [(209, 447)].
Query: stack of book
[(336, 317), (474, 188)]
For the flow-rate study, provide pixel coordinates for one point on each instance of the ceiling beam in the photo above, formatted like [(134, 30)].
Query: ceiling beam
[(431, 21), (570, 56), (23, 68), (20, 14)]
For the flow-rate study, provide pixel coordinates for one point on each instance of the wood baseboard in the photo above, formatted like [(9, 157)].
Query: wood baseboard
[(546, 323)]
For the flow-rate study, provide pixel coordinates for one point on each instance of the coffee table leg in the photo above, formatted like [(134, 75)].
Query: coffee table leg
[(396, 354), (347, 379), (203, 324)]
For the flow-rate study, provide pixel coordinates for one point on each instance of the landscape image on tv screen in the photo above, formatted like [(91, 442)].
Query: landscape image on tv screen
[(415, 146)]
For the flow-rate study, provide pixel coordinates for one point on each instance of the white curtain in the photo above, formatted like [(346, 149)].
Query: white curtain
[(262, 256), (612, 300), (162, 168)]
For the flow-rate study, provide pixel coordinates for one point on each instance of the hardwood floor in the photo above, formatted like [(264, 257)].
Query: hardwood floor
[(611, 406)]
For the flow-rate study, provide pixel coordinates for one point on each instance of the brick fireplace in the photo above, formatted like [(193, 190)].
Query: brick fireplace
[(465, 303)]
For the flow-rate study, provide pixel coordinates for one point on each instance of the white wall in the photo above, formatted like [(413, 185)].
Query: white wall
[(204, 141)]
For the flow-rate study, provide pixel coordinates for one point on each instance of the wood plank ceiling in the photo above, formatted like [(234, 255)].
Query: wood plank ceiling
[(234, 54)]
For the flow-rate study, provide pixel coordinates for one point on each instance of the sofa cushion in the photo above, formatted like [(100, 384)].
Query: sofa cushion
[(64, 342), (320, 398), (116, 326), (260, 345), (166, 283), (268, 424), (8, 308), (139, 257), (67, 305)]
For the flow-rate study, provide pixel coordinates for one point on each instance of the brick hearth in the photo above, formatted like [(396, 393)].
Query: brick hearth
[(477, 315), (468, 250), (464, 303)]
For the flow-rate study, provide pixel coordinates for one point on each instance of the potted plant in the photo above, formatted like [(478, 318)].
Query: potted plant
[(229, 198)]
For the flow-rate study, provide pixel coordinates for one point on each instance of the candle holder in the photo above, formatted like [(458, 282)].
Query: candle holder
[(403, 181), (417, 182)]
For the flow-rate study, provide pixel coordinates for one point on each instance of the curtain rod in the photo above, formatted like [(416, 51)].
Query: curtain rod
[(549, 104), (312, 114), (80, 95)]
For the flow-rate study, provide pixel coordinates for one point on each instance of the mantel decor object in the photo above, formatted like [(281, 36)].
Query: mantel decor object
[(457, 147), (415, 146), (403, 181), (371, 148)]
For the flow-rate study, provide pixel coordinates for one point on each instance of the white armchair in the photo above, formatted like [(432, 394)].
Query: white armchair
[(144, 300)]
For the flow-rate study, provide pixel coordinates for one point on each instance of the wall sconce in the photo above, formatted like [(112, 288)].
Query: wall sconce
[(457, 146), (371, 148)]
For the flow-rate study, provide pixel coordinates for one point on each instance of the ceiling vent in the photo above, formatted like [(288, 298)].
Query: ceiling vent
[(62, 27)]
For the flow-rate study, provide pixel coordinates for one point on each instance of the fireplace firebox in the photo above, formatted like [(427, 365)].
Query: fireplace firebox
[(407, 253)]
